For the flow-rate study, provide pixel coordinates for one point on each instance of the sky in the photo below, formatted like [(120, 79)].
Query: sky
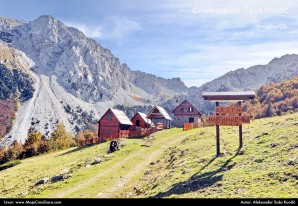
[(195, 40)]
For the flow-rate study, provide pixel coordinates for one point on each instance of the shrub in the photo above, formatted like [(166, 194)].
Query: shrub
[(31, 150), (88, 134), (60, 139), (2, 156), (43, 146), (34, 137), (15, 151), (9, 164)]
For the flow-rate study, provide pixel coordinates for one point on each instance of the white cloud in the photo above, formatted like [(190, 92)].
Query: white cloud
[(198, 67), (114, 28), (120, 27), (89, 30)]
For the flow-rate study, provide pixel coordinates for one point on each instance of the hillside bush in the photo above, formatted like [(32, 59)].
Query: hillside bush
[(9, 164), (60, 139), (37, 144), (15, 151)]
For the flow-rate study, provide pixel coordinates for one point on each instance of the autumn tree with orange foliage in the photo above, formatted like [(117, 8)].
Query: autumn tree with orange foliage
[(274, 99)]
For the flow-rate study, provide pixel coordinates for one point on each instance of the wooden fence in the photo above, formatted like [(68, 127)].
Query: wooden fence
[(188, 126), (91, 141), (121, 134)]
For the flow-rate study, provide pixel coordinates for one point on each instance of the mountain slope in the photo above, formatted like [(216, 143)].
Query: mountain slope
[(178, 164), (82, 66)]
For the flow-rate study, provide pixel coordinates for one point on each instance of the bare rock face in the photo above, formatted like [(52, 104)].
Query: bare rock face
[(83, 67)]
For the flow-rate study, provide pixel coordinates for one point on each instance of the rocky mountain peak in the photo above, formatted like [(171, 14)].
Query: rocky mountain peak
[(284, 59), (8, 24)]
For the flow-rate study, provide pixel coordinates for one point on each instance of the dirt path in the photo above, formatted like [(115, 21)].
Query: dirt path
[(164, 143), (138, 168)]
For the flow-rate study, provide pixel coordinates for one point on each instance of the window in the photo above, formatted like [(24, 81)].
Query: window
[(181, 109), (190, 109), (109, 116)]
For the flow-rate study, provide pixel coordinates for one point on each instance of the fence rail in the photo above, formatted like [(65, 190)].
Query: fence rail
[(121, 134), (188, 126), (93, 140)]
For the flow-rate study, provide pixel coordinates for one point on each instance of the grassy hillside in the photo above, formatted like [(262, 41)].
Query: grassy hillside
[(266, 167), (177, 164)]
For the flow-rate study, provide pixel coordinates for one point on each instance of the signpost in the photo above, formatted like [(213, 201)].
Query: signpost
[(228, 110), (228, 120), (228, 115)]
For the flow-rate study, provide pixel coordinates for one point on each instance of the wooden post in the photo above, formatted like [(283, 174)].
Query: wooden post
[(99, 137), (217, 135), (240, 129)]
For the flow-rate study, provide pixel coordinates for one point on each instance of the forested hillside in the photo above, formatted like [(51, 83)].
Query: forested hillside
[(274, 99)]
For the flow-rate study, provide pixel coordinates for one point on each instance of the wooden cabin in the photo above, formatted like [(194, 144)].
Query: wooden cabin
[(113, 124), (186, 113), (160, 118), (140, 120)]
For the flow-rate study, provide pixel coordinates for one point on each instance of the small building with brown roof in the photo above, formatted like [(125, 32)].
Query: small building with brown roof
[(113, 124), (186, 113), (160, 117), (140, 120)]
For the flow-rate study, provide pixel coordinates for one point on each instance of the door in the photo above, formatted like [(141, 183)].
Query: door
[(191, 120), (138, 123)]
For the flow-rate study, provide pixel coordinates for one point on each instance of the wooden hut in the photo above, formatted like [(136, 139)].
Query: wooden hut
[(186, 113), (140, 120), (160, 117), (113, 124)]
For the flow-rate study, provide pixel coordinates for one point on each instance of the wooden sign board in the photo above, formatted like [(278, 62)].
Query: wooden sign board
[(228, 120), (228, 110), (245, 119)]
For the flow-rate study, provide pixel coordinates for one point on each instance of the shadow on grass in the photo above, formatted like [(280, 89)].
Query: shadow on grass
[(77, 149), (199, 181)]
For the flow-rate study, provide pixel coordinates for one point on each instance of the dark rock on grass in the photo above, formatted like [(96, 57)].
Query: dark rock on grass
[(138, 191), (292, 161), (272, 145), (241, 151), (185, 171), (60, 177), (66, 176), (259, 135), (96, 160), (259, 160), (42, 181), (147, 172), (56, 178)]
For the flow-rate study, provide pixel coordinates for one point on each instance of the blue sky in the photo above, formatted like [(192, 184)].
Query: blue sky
[(194, 40)]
